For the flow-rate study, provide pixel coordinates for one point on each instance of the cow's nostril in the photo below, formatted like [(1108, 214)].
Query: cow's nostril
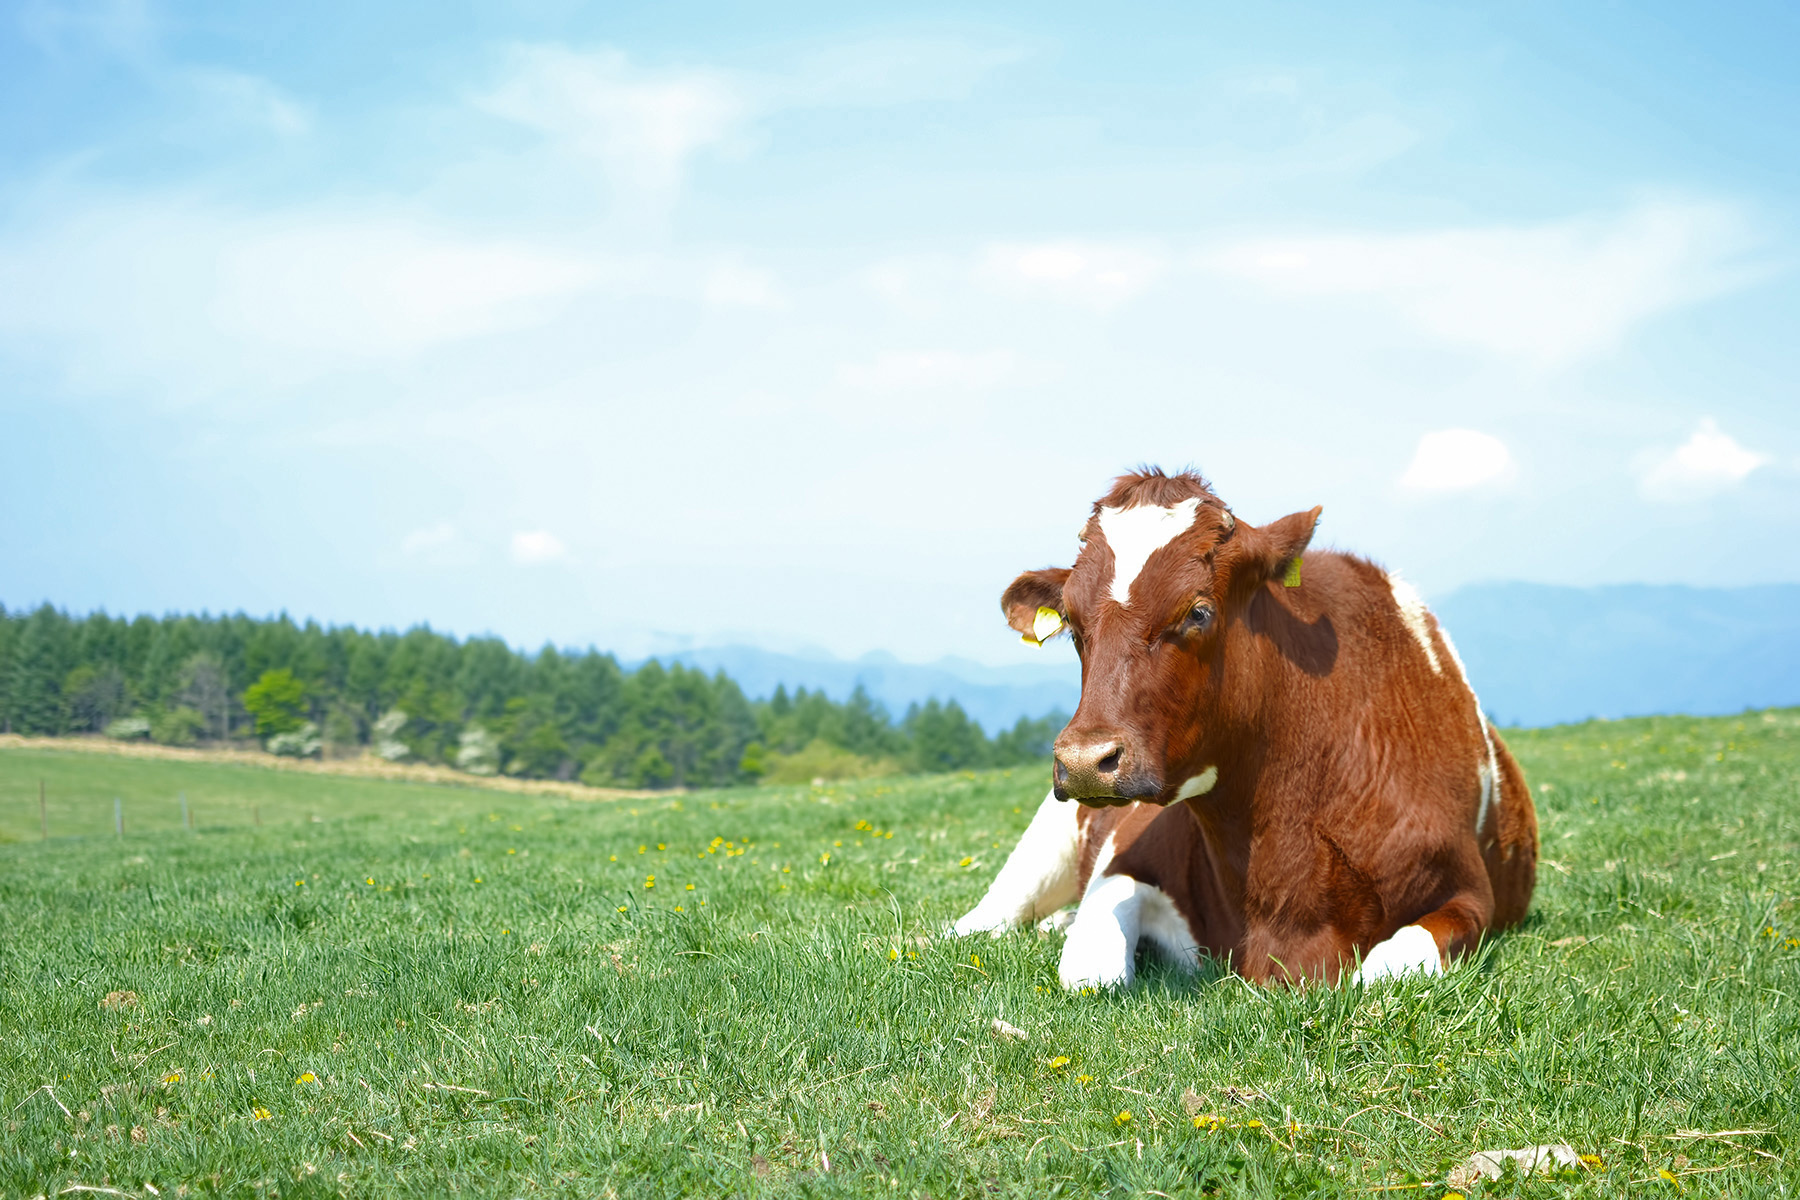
[(1110, 763)]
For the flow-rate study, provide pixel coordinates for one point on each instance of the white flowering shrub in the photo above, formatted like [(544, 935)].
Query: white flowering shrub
[(384, 735), (303, 742), (127, 728), (478, 752)]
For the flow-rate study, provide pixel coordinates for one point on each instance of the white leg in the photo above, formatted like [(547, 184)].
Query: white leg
[(1103, 939), (1039, 875), (1412, 948)]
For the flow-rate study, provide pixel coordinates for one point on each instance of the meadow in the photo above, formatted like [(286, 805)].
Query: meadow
[(392, 989)]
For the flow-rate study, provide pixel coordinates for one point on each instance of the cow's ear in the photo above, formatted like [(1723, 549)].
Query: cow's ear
[(1029, 594), (1270, 551)]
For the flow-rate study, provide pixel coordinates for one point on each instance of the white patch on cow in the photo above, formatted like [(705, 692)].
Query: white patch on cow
[(1039, 877), (1161, 922), (1412, 948), (1415, 616), (1115, 912), (1136, 533), (1199, 785), (1416, 619), (1489, 771)]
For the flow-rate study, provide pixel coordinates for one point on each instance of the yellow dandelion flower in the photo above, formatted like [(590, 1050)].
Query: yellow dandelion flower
[(510, 850), (678, 908), (1253, 1124), (1124, 1117), (259, 1113), (660, 846), (966, 860), (370, 881), (976, 959), (893, 955), (1208, 1122), (1084, 1079), (172, 1077), (307, 1077), (621, 908), (614, 858), (690, 887), (1453, 1196), (504, 932), (299, 883), (1669, 1175), (1059, 1062), (1592, 1162), (478, 879)]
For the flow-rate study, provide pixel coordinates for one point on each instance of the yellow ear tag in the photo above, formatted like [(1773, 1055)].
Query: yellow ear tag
[(1292, 578), (1047, 623)]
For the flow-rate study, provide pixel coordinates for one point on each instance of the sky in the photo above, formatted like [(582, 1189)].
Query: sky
[(651, 326)]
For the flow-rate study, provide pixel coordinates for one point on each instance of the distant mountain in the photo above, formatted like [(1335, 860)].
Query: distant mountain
[(1537, 655), (1540, 655), (995, 696)]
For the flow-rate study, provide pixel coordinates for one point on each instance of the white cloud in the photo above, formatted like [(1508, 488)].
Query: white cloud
[(643, 126), (199, 297), (251, 98), (734, 284), (1093, 273), (930, 370), (1710, 461), (536, 546), (432, 537), (1456, 460), (1547, 294)]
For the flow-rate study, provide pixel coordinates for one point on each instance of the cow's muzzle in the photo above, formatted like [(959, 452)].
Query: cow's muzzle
[(1100, 771)]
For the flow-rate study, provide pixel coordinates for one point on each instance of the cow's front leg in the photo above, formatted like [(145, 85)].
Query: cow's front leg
[(1102, 946), (1039, 876)]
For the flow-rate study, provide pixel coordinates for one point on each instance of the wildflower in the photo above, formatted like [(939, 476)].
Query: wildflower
[(172, 1077), (1084, 1079), (678, 908), (478, 879), (660, 846), (1669, 1175), (1059, 1062), (650, 882), (260, 1113), (825, 859), (510, 850), (307, 1077), (1124, 1117), (893, 955), (1453, 1196), (614, 858), (976, 959), (1208, 1122), (370, 881), (621, 908), (504, 932), (967, 859), (1592, 1162), (299, 883), (1253, 1124)]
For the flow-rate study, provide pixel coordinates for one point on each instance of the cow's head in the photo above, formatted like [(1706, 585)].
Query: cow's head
[(1164, 574)]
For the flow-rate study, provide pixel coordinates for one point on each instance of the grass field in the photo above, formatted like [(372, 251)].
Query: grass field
[(436, 991)]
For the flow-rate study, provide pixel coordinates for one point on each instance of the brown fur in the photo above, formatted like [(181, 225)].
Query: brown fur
[(1348, 792)]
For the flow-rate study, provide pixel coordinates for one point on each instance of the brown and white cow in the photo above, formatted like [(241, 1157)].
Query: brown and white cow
[(1278, 758)]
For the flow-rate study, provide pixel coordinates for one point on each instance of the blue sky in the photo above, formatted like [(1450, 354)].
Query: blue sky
[(647, 327)]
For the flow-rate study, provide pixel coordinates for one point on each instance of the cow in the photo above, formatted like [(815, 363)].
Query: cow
[(1277, 759)]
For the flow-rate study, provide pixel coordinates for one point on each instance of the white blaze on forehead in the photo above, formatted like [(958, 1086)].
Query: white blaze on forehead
[(1199, 785), (1136, 533)]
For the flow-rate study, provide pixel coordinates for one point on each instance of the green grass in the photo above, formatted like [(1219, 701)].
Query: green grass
[(507, 1009)]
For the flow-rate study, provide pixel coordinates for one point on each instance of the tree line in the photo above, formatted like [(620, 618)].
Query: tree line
[(476, 704)]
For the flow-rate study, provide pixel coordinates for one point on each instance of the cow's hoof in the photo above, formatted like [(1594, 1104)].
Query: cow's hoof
[(1411, 950)]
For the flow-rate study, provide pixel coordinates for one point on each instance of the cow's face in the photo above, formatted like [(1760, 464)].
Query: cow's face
[(1164, 574)]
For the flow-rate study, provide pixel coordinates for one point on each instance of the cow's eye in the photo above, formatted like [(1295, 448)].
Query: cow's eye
[(1200, 617)]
